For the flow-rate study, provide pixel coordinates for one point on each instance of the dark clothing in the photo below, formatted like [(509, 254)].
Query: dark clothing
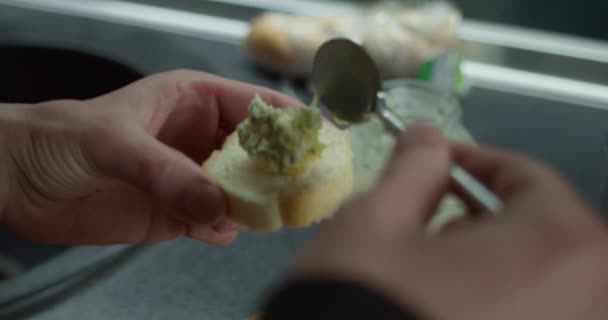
[(332, 300)]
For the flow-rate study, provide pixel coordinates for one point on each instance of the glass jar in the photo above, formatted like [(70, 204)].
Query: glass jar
[(411, 101), (419, 102)]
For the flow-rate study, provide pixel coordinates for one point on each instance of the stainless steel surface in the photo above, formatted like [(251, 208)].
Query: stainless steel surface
[(347, 82)]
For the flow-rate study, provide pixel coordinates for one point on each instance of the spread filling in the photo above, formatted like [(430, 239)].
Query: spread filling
[(282, 140)]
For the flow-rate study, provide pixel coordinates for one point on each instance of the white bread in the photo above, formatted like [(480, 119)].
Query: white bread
[(266, 202), (398, 38)]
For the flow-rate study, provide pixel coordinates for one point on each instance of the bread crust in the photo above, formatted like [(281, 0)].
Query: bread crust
[(317, 203), (308, 200)]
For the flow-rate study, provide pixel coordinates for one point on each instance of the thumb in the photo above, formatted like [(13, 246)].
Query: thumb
[(415, 178), (161, 171)]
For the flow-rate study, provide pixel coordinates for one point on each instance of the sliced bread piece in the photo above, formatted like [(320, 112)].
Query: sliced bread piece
[(265, 201)]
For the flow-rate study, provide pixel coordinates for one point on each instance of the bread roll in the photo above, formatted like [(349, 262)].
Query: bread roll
[(266, 201), (287, 43), (398, 38)]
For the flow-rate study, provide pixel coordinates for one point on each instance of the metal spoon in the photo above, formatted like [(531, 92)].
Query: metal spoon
[(346, 81)]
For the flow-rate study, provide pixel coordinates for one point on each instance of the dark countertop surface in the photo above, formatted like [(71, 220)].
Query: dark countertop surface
[(570, 138), (184, 279)]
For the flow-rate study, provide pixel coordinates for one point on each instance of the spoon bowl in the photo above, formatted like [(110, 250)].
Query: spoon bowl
[(345, 79)]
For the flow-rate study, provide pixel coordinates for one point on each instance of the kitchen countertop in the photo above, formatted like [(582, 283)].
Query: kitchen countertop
[(185, 279)]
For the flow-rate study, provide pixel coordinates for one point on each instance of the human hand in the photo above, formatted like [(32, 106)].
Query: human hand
[(123, 167), (544, 257)]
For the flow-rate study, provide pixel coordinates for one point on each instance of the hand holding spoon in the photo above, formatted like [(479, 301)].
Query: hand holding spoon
[(346, 80)]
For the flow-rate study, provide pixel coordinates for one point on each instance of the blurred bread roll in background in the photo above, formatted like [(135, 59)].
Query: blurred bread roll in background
[(399, 38)]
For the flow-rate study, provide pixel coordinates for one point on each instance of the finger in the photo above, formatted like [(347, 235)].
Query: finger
[(507, 173), (454, 225), (225, 224), (166, 174), (208, 234), (233, 98), (415, 178), (521, 182), (450, 209)]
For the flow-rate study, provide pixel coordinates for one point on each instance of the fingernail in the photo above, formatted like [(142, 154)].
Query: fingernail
[(204, 204), (210, 236), (226, 225)]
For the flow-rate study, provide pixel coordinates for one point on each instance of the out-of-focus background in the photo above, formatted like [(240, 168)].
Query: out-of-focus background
[(582, 18), (526, 75)]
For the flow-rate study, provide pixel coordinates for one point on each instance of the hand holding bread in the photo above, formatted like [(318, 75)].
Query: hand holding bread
[(123, 167), (283, 167)]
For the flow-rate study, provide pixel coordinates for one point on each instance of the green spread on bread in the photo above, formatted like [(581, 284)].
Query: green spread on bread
[(283, 140)]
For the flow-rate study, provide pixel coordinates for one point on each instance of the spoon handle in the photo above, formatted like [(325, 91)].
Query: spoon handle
[(477, 192), (468, 184)]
